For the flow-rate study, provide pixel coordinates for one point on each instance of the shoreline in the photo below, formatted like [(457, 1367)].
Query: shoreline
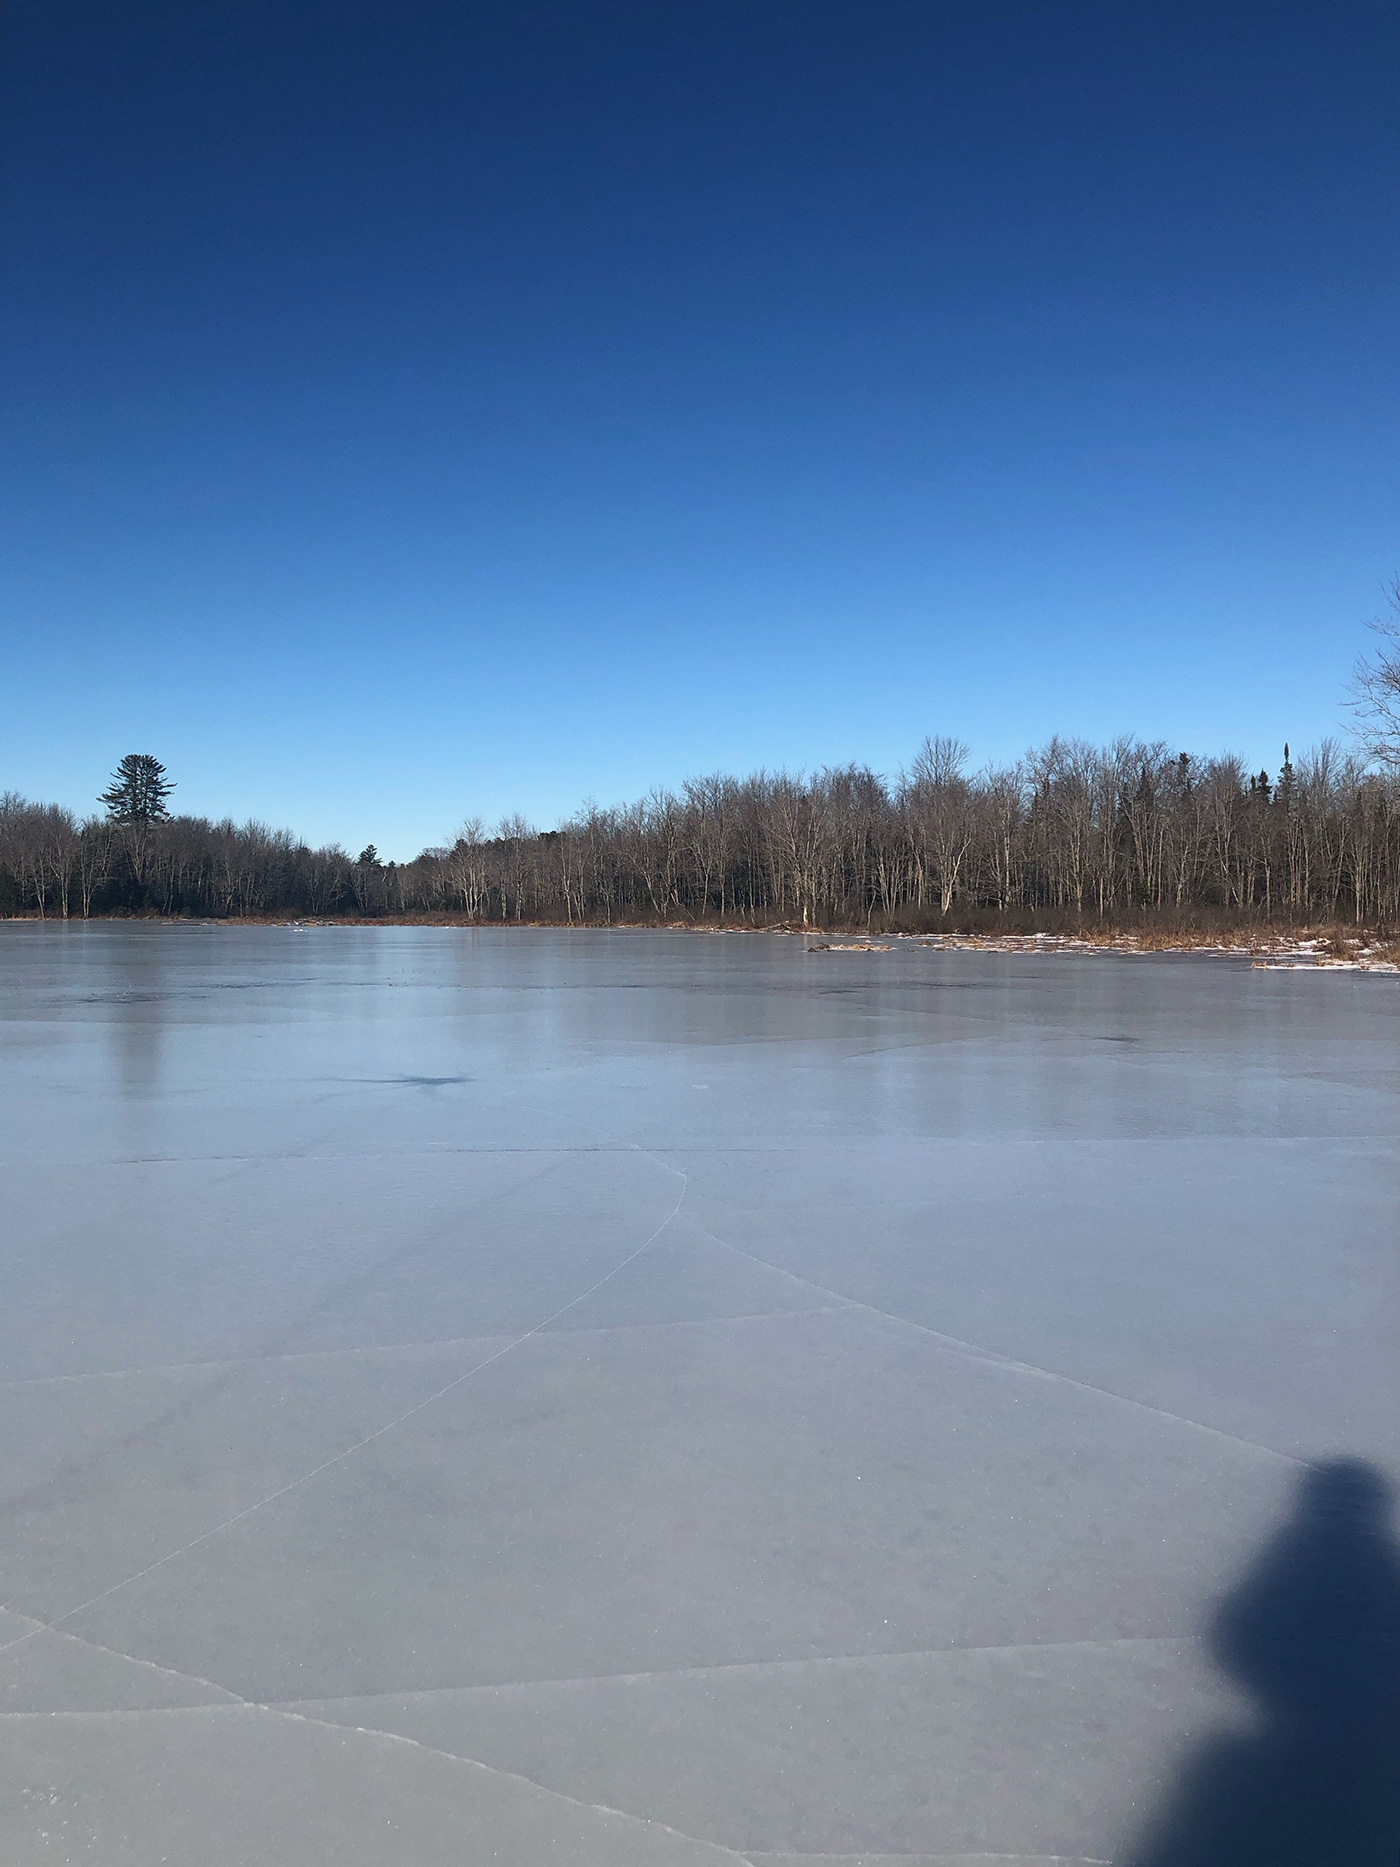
[(1284, 954), (1295, 950)]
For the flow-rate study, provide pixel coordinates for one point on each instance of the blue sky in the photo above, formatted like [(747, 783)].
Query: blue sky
[(418, 410)]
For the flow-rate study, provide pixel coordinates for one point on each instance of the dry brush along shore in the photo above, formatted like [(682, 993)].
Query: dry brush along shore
[(1369, 952)]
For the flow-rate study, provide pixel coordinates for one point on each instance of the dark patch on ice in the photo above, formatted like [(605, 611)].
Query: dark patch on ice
[(415, 1082)]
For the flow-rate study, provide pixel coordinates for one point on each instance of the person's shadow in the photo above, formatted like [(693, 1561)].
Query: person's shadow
[(1313, 1632)]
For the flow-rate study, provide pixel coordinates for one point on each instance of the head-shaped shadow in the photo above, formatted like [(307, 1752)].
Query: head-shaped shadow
[(1312, 1632)]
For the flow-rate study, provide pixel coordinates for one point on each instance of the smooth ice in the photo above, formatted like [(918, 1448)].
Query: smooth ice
[(620, 1398)]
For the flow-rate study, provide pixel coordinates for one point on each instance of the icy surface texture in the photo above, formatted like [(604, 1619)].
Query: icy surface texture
[(532, 1397)]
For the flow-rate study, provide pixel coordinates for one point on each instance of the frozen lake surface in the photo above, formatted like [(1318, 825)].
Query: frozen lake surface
[(627, 1399)]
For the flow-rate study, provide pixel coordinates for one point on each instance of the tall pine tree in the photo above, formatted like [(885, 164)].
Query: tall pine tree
[(135, 800)]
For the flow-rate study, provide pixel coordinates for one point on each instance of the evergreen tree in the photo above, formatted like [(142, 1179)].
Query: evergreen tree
[(138, 791), (135, 800), (1283, 790)]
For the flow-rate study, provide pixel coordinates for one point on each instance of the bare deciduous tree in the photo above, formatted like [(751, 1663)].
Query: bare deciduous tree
[(1071, 831), (1375, 690)]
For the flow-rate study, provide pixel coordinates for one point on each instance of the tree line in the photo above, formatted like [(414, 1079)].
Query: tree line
[(1071, 833)]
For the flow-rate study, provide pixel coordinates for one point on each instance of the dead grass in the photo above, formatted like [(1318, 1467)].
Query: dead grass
[(1176, 939), (1330, 944)]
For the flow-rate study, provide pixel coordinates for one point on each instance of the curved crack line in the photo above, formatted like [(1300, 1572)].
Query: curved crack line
[(990, 1356), (874, 1658), (76, 1471), (232, 1700), (513, 1776), (994, 1358), (215, 1365), (235, 1701), (132, 1659), (389, 1426)]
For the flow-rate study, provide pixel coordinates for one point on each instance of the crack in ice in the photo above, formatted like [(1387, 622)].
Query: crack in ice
[(235, 1701), (875, 1657), (214, 1366), (389, 1426), (994, 1358)]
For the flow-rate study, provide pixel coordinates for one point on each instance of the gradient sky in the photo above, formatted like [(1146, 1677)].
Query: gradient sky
[(417, 410)]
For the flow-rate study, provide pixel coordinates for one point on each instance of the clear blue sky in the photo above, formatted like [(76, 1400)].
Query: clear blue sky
[(414, 410)]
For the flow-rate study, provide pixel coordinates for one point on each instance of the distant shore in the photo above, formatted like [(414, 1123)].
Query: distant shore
[(1331, 947), (1072, 841)]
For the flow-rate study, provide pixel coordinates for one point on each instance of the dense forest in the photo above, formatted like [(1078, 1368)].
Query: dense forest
[(1070, 835)]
